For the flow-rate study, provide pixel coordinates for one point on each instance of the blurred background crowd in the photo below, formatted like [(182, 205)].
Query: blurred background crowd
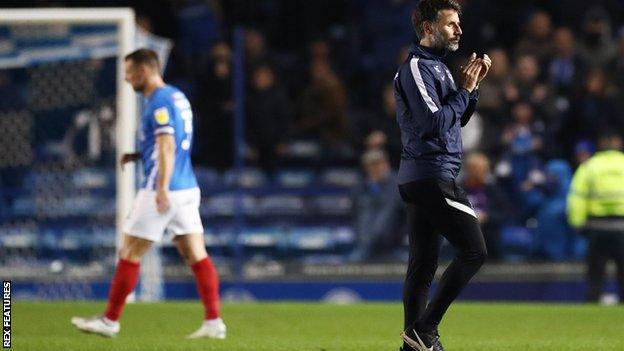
[(320, 114)]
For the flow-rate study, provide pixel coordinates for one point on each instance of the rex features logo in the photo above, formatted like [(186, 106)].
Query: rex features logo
[(6, 315)]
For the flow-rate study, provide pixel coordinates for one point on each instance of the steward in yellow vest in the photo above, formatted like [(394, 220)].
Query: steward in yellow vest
[(596, 206)]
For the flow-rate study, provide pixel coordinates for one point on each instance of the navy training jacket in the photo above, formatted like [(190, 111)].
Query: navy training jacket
[(430, 112)]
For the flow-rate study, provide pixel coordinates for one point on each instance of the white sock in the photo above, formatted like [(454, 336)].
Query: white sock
[(109, 322), (217, 320)]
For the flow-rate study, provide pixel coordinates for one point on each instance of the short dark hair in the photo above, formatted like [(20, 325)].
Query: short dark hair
[(609, 140), (144, 56), (428, 11), (608, 134)]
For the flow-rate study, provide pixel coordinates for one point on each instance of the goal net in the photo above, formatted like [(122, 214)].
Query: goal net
[(65, 116)]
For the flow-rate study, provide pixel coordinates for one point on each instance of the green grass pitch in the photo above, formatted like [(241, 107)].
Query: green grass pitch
[(322, 327)]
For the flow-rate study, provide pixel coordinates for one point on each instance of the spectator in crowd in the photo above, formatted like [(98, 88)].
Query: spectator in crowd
[(596, 206), (378, 214), (381, 131), (268, 115), (523, 141), (318, 51), (594, 109), (488, 201), (550, 94), (536, 39), (472, 134), (323, 108), (597, 47), (384, 26), (565, 70), (402, 55), (617, 65), (144, 24), (554, 239), (216, 107), (565, 66), (527, 85), (199, 24), (256, 50), (380, 30), (583, 150), (493, 100)]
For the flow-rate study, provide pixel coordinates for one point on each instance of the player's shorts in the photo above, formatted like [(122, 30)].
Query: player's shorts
[(145, 222)]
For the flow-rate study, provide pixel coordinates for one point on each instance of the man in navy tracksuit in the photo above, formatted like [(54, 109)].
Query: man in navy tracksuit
[(431, 109)]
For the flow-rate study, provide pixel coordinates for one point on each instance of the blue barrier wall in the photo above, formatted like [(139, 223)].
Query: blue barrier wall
[(556, 291)]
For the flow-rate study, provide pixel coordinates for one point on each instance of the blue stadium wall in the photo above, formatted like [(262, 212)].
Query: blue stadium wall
[(559, 291)]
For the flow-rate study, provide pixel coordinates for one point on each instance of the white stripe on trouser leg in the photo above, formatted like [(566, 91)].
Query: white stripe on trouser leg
[(461, 207)]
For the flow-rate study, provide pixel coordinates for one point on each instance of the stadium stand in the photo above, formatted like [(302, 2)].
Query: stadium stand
[(553, 87)]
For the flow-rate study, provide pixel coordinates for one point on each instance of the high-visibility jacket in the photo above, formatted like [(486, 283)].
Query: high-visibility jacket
[(596, 198)]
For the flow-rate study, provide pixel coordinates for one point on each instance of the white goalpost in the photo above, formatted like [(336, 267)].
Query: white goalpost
[(66, 66), (124, 19)]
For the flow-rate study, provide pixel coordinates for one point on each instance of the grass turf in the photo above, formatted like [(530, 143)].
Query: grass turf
[(322, 327)]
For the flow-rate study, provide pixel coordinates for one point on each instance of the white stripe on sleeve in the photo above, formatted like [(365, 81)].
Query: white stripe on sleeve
[(164, 130), (421, 85), (151, 178)]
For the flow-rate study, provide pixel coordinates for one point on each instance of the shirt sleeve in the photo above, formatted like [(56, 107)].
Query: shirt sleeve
[(434, 115), (162, 121), (472, 105), (577, 198)]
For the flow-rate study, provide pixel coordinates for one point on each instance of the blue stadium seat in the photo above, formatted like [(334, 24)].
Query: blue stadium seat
[(282, 205), (224, 204), (249, 178), (341, 177), (94, 178), (303, 149), (18, 236), (261, 237), (517, 243), (104, 236), (294, 178), (207, 178), (337, 205), (23, 206), (311, 239)]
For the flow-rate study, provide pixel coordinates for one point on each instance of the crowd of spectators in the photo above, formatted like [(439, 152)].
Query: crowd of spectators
[(324, 75), (321, 72)]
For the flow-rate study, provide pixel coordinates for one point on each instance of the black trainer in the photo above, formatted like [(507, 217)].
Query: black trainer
[(422, 340), (438, 345)]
